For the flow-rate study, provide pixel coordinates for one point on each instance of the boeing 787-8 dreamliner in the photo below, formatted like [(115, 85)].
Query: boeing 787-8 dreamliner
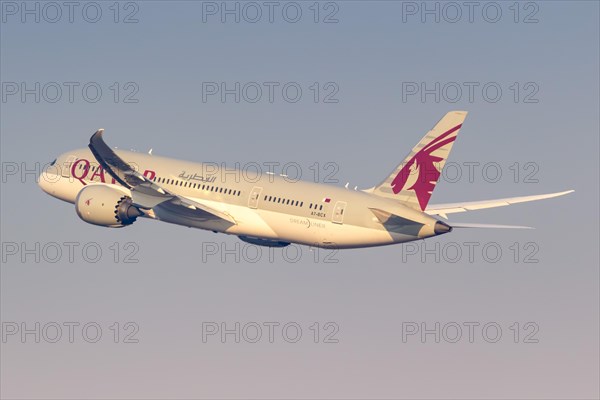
[(112, 188)]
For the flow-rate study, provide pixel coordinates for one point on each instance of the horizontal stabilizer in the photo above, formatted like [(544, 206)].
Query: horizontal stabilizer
[(450, 208), (492, 226)]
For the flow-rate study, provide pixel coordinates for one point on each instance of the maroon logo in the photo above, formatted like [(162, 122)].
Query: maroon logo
[(87, 202), (428, 174), (83, 173)]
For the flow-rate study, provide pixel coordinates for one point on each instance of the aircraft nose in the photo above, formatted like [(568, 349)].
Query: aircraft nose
[(440, 228), (40, 182), (44, 183)]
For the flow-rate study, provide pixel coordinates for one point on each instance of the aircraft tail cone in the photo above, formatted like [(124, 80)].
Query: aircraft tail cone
[(440, 228)]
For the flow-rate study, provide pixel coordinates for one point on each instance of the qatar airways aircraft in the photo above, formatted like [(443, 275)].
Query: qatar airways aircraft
[(112, 188)]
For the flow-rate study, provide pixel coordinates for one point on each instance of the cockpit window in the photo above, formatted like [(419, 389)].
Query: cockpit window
[(53, 162)]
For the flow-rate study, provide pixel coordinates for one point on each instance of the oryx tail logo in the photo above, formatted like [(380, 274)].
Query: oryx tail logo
[(427, 173)]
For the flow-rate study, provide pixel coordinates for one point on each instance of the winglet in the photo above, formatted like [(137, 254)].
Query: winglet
[(111, 163)]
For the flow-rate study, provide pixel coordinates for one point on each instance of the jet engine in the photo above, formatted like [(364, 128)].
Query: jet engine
[(106, 206)]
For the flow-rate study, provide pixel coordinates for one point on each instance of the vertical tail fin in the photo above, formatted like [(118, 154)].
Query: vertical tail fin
[(413, 181)]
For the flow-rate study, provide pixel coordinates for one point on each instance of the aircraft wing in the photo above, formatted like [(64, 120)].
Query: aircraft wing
[(450, 208), (145, 193)]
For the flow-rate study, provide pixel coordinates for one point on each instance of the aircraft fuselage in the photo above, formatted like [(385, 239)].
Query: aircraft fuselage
[(264, 206)]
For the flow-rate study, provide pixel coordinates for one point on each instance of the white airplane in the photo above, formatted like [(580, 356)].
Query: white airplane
[(269, 210)]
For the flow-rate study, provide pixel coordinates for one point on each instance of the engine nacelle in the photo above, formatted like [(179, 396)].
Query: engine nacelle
[(105, 206)]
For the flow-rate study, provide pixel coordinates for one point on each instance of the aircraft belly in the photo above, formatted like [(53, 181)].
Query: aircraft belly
[(317, 232)]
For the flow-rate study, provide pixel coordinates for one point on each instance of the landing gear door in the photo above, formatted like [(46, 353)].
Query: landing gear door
[(65, 168), (338, 212), (254, 197)]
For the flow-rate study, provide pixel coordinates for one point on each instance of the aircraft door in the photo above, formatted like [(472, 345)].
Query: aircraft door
[(254, 197), (338, 212)]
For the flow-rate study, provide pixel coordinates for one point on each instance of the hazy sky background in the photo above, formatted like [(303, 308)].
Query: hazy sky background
[(372, 295)]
